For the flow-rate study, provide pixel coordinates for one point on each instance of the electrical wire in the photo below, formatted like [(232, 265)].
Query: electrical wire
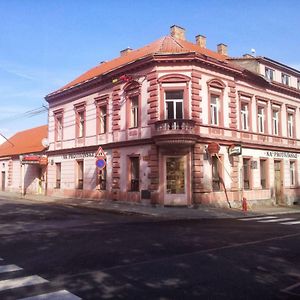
[(27, 114)]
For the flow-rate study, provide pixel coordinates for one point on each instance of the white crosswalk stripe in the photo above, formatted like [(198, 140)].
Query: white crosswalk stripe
[(272, 219), (291, 223), (9, 268), (13, 283), (276, 220), (257, 218), (60, 295), (21, 282)]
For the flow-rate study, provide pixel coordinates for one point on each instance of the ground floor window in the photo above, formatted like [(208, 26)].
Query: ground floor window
[(80, 174), (263, 173), (175, 175), (58, 175), (292, 173), (134, 173), (216, 173), (246, 173)]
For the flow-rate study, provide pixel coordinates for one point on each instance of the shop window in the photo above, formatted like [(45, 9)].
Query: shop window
[(216, 169), (80, 174), (269, 74), (246, 173), (292, 173), (134, 173), (134, 111), (275, 121), (174, 104), (101, 179), (58, 175), (261, 119), (263, 173), (290, 125), (175, 175)]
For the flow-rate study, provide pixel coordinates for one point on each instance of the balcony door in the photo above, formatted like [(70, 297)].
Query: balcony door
[(174, 104)]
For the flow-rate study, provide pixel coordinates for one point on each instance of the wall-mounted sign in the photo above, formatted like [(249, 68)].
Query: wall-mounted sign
[(78, 155), (213, 148), (235, 150), (278, 154), (34, 159)]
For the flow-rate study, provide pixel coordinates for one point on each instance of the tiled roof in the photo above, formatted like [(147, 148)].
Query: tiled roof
[(164, 45), (27, 141)]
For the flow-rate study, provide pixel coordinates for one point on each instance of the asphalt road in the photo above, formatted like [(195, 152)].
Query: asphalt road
[(78, 253)]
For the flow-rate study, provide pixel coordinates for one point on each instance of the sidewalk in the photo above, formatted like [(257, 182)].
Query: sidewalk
[(199, 212)]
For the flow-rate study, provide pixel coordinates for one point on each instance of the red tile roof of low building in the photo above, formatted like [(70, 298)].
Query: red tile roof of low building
[(164, 45), (24, 142)]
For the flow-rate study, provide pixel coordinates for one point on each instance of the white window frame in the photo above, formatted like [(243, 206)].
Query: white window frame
[(269, 73), (285, 79), (134, 111), (261, 119), (214, 110), (275, 121), (245, 116), (81, 124), (290, 125), (103, 119)]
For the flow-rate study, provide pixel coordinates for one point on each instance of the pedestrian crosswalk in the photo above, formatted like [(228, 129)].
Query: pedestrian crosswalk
[(9, 283), (272, 219)]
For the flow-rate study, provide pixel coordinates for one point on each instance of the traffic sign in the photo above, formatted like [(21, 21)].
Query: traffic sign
[(100, 163), (100, 152)]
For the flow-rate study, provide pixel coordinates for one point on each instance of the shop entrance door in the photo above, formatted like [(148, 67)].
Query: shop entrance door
[(175, 180), (3, 181), (277, 181)]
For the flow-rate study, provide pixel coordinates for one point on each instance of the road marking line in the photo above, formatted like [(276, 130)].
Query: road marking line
[(257, 218), (291, 223), (9, 268), (276, 220), (60, 295), (1, 258), (20, 282)]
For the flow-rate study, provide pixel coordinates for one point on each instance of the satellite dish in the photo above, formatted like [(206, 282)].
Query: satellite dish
[(45, 142), (253, 51)]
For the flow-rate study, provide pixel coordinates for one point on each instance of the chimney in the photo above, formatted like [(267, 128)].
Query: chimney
[(201, 41), (177, 32), (222, 49), (125, 51)]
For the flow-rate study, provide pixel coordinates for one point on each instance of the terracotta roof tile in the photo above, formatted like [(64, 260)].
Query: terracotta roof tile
[(164, 45), (27, 141)]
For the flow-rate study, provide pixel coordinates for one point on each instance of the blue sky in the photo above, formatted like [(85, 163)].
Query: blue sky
[(46, 44)]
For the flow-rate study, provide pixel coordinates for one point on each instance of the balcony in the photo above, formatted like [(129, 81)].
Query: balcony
[(174, 132)]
